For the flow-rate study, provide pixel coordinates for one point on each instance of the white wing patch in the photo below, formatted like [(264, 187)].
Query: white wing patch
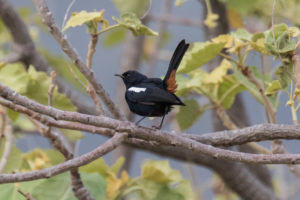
[(137, 89)]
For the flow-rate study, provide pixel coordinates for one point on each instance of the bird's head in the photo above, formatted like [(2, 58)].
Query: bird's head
[(131, 77)]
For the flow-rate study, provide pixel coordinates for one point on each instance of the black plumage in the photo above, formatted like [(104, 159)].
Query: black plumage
[(153, 97)]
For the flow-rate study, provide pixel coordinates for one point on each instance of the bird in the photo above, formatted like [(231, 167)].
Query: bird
[(154, 97)]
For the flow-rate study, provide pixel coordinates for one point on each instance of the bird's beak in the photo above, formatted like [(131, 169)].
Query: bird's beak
[(119, 75)]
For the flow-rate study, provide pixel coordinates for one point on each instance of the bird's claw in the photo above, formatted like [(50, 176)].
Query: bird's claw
[(156, 127)]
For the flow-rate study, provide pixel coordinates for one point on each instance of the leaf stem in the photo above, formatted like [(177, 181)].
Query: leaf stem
[(108, 29)]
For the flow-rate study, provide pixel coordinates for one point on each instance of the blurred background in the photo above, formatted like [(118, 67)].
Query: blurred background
[(119, 50)]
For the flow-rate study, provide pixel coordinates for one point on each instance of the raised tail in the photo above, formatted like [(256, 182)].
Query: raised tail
[(170, 80)]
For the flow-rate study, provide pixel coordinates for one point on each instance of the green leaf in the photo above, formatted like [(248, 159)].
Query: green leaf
[(41, 158), (227, 91), (160, 172), (13, 115), (273, 88), (199, 54), (166, 193), (24, 124), (10, 190), (242, 34), (37, 89), (117, 165), (59, 187), (258, 43), (189, 114), (55, 156), (99, 166), (218, 74), (284, 43), (15, 76), (148, 189), (250, 87), (114, 37), (59, 64), (181, 81), (139, 7), (132, 23), (283, 74), (14, 161), (77, 19), (71, 134), (184, 187)]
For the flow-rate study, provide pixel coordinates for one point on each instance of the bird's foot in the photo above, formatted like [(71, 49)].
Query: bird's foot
[(156, 127)]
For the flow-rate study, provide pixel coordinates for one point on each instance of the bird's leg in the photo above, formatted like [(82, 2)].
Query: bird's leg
[(137, 123), (161, 123)]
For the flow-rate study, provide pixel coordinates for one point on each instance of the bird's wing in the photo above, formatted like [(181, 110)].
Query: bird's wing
[(150, 95)]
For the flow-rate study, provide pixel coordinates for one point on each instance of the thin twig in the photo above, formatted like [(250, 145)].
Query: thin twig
[(78, 188), (8, 144), (2, 122), (47, 19), (26, 48), (51, 88), (26, 195), (261, 90), (89, 60), (67, 13)]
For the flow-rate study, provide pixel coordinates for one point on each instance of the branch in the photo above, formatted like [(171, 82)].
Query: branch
[(25, 51), (78, 188), (255, 190), (47, 19), (26, 195), (162, 137), (67, 165), (8, 143), (130, 60), (89, 60)]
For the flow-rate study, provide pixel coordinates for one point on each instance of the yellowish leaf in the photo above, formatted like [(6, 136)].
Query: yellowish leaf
[(293, 31), (131, 22), (124, 177), (2, 64), (114, 184), (234, 18), (160, 172), (227, 39), (211, 20), (37, 159), (77, 19), (217, 75), (105, 24), (238, 46), (179, 2), (259, 45)]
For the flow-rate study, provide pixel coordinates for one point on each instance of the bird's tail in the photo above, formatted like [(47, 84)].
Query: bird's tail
[(169, 80)]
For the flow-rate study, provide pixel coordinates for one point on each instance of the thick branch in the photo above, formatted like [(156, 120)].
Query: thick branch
[(142, 133)]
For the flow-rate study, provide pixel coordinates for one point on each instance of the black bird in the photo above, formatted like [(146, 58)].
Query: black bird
[(153, 97)]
